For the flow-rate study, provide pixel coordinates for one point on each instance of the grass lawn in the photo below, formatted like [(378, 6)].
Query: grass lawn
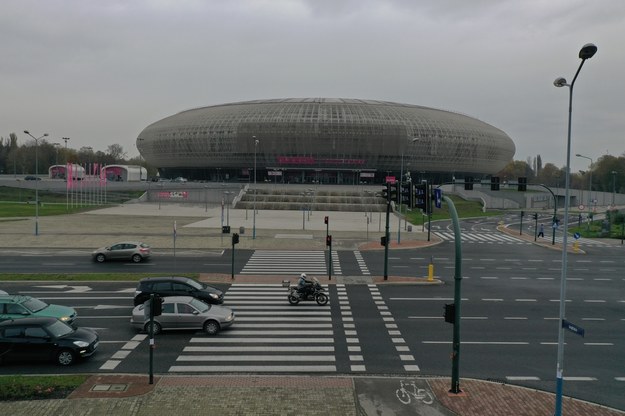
[(39, 387)]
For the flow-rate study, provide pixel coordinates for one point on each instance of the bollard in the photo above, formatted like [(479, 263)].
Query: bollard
[(430, 271), (575, 246)]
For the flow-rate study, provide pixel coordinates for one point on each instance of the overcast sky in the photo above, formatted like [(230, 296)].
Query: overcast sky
[(99, 71)]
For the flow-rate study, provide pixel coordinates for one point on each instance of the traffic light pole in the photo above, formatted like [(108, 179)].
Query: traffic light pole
[(455, 367), (387, 234), (151, 336)]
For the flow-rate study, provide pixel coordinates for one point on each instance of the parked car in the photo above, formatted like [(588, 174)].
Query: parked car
[(180, 179), (32, 178), (46, 339), (135, 251), (20, 306), (176, 286), (183, 312)]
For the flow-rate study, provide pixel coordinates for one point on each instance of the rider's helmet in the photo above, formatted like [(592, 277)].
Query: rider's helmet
[(303, 275)]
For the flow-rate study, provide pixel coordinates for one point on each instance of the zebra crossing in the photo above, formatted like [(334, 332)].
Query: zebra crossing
[(484, 238), (268, 336), (291, 263)]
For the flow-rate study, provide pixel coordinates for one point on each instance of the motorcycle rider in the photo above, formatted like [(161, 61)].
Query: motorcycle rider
[(304, 286)]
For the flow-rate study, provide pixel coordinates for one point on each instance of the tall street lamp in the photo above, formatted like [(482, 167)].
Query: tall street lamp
[(613, 187), (37, 181), (586, 52), (56, 148), (590, 181), (254, 207)]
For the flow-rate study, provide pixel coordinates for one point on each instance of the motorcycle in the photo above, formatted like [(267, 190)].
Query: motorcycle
[(316, 292)]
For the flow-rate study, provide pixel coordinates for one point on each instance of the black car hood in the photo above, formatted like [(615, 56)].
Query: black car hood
[(81, 334)]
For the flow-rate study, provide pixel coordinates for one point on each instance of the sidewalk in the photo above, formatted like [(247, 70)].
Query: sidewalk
[(123, 395), (200, 229)]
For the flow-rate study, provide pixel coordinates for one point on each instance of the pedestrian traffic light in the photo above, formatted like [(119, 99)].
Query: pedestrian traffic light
[(328, 240), (157, 305), (383, 240), (326, 220), (235, 238), (535, 216), (421, 196), (494, 183), (522, 213), (468, 183), (394, 191), (450, 313), (406, 194), (386, 192), (522, 185)]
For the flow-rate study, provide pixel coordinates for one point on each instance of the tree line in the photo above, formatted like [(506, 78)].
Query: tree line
[(19, 159), (608, 174)]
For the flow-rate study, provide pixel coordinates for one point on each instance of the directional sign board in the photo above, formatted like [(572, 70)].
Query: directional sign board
[(573, 328), (438, 196)]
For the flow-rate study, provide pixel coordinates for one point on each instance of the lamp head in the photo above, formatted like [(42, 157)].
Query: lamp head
[(578, 155), (26, 131), (587, 51), (560, 82)]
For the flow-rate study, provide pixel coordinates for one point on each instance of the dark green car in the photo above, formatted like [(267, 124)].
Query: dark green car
[(21, 306)]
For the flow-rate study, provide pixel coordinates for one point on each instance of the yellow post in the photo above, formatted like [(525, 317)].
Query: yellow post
[(430, 272), (575, 246)]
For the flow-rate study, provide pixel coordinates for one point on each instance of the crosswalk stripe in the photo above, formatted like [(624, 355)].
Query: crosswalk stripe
[(291, 262)]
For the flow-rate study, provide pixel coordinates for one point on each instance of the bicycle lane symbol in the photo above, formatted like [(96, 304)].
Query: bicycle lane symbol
[(398, 397)]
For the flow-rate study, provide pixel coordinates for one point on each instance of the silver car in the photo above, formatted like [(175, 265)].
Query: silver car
[(135, 251), (183, 312)]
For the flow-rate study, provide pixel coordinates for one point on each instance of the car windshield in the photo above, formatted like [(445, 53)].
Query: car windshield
[(199, 305), (144, 245), (59, 329), (34, 305)]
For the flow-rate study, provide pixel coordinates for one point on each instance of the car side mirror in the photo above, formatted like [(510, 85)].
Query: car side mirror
[(196, 313)]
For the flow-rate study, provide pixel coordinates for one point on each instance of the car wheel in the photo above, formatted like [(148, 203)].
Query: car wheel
[(156, 328), (211, 327), (100, 258), (65, 357), (136, 258)]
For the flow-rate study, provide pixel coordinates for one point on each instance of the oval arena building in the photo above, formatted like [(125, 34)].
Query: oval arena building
[(322, 140)]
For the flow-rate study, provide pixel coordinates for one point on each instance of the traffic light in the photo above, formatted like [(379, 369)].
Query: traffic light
[(522, 186), (326, 220), (328, 240), (157, 305), (394, 191), (522, 213), (386, 192), (468, 183), (535, 216), (421, 196), (406, 194), (225, 229), (450, 313), (494, 183), (235, 238), (383, 240)]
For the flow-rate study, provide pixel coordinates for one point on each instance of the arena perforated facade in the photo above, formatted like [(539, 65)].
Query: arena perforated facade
[(322, 139)]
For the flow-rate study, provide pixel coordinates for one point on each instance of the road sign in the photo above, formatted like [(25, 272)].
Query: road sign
[(573, 328), (581, 207), (576, 236), (438, 196)]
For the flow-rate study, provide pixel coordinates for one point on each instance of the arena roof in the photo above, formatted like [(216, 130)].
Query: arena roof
[(325, 133)]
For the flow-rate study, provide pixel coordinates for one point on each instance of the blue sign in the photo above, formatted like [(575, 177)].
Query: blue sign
[(576, 236), (573, 328), (438, 197)]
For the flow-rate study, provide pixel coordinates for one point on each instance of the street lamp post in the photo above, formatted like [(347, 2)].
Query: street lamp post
[(37, 180), (590, 180), (254, 206), (56, 148), (586, 52), (613, 188)]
